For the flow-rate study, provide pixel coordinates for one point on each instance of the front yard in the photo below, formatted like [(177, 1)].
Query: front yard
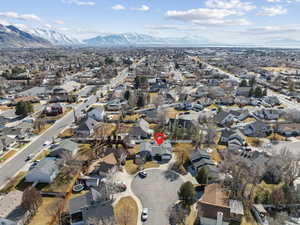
[(183, 151), (126, 211), (132, 168), (7, 155)]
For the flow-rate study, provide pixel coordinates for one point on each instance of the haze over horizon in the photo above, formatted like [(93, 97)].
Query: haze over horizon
[(222, 21)]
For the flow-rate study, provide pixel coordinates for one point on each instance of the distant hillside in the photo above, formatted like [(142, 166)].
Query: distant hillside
[(55, 37), (134, 39), (12, 37)]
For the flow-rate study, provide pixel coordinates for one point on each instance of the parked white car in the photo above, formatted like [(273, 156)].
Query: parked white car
[(144, 215)]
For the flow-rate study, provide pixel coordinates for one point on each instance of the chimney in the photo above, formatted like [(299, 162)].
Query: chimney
[(219, 218)]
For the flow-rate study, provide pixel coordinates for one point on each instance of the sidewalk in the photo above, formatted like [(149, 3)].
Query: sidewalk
[(127, 179)]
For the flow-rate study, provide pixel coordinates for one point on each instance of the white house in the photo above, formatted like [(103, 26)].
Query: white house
[(97, 113), (45, 172)]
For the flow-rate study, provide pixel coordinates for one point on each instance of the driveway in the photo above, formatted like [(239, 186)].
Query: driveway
[(157, 192)]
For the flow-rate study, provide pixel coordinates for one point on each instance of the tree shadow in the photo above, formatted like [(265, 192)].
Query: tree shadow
[(170, 175)]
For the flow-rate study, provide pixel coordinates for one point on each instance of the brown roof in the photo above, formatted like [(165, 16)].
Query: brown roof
[(110, 159), (214, 200), (214, 195), (292, 126)]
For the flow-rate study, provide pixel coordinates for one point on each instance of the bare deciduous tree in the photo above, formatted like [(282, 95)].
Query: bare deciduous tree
[(102, 221), (31, 199), (177, 214)]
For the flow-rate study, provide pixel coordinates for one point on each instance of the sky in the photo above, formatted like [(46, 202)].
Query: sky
[(226, 21)]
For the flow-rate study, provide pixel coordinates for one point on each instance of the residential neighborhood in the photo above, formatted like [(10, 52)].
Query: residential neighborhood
[(149, 136)]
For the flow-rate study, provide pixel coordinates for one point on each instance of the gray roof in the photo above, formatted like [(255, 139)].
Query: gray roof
[(80, 202), (221, 116), (203, 162), (164, 148), (46, 166), (7, 222), (87, 124), (96, 195), (67, 145), (197, 155)]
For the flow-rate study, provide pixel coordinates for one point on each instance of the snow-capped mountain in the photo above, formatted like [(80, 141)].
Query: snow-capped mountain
[(13, 37), (55, 37), (135, 39), (122, 39)]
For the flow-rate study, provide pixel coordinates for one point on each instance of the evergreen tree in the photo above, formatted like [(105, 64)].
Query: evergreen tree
[(141, 101), (127, 94), (23, 108), (243, 83), (252, 82), (258, 92), (187, 193), (265, 93), (202, 177)]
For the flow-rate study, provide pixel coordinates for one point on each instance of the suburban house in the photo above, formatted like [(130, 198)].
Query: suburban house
[(289, 130), (7, 142), (115, 105), (45, 172), (104, 166), (53, 110), (86, 127), (201, 159), (7, 222), (141, 130), (185, 124), (227, 100), (214, 207), (150, 151), (224, 118), (64, 146), (94, 204), (232, 136), (96, 113), (257, 129), (272, 100), (268, 114), (243, 91)]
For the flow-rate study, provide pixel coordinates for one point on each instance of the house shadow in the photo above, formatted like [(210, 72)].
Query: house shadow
[(22, 185)]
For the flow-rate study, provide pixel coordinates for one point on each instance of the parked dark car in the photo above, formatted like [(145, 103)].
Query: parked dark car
[(143, 174)]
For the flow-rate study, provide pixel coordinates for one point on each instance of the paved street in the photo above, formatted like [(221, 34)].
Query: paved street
[(157, 192), (9, 169)]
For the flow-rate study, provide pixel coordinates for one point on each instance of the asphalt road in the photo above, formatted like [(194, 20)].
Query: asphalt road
[(157, 192), (11, 168)]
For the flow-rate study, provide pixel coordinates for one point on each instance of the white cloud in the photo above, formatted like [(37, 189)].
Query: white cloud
[(80, 3), (14, 15), (230, 4), (174, 27), (206, 16), (266, 30), (118, 7), (272, 11), (4, 22), (273, 1), (59, 22), (142, 8)]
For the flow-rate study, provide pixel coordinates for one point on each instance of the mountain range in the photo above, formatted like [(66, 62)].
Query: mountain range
[(135, 39), (15, 37), (54, 37), (12, 37)]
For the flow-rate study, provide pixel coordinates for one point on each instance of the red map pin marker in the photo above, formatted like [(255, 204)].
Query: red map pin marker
[(159, 138)]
